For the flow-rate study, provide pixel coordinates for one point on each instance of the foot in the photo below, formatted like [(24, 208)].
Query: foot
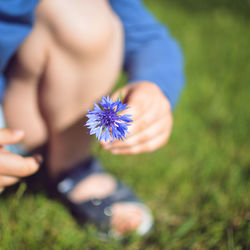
[(125, 216)]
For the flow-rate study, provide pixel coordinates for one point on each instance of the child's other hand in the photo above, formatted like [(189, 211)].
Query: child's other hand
[(151, 115), (13, 166)]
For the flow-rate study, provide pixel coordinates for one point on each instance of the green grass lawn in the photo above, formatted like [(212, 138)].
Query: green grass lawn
[(198, 184)]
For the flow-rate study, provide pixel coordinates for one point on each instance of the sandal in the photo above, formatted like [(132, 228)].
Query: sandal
[(95, 210)]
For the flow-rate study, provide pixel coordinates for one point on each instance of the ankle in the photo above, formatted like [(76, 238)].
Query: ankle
[(57, 167), (97, 186)]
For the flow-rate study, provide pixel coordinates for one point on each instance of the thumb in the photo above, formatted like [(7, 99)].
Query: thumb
[(128, 96), (10, 136), (121, 93)]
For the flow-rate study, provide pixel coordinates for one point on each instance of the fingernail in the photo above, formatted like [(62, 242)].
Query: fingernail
[(18, 132), (38, 158)]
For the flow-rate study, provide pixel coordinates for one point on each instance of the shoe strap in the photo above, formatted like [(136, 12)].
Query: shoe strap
[(99, 211), (95, 210), (69, 179)]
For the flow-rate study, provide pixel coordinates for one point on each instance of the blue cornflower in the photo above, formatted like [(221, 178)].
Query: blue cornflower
[(105, 122)]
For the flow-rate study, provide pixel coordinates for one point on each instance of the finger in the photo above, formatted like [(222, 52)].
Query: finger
[(148, 146), (148, 115), (130, 98), (17, 166), (146, 120), (1, 189), (144, 135), (2, 149), (7, 180), (9, 136), (123, 92)]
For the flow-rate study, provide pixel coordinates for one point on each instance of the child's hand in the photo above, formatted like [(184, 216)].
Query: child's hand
[(152, 119), (13, 166)]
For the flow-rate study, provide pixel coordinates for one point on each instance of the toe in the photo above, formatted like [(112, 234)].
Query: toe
[(126, 217)]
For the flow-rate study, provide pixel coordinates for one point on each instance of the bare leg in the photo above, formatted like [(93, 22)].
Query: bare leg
[(70, 73), (58, 72)]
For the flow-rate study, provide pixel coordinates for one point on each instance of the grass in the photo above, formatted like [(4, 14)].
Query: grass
[(198, 184)]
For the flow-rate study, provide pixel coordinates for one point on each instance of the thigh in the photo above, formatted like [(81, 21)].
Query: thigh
[(85, 57), (20, 105), (57, 73)]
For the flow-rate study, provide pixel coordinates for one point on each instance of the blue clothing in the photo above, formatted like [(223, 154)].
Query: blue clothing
[(16, 18), (151, 54)]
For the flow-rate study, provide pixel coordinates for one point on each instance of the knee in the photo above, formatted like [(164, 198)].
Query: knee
[(30, 58)]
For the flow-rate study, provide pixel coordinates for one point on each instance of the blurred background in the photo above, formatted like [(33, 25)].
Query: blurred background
[(198, 184)]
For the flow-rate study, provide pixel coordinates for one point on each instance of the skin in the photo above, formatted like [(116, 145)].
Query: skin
[(148, 132), (12, 166), (56, 75), (152, 119)]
